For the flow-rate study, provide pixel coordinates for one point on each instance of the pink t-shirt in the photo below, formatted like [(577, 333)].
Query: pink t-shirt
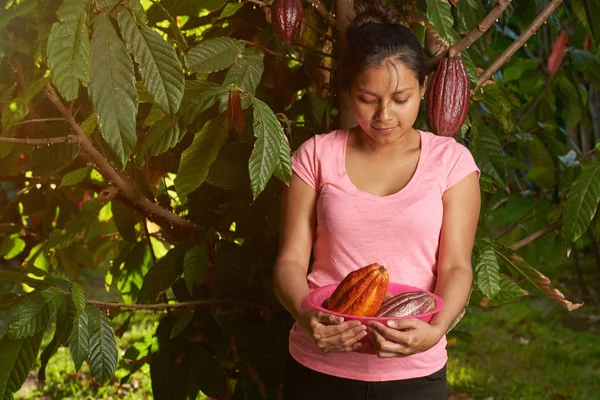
[(355, 228)]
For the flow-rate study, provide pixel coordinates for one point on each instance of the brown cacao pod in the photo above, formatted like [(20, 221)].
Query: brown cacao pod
[(407, 304), (286, 16), (361, 292), (448, 99)]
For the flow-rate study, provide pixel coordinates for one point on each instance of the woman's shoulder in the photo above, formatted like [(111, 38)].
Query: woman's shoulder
[(322, 141)]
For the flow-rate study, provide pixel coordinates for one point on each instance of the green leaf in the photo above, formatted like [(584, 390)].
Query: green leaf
[(158, 64), (34, 314), (587, 63), (195, 267), (74, 177), (79, 341), (198, 97), (588, 11), (509, 291), (245, 73), (573, 109), (14, 111), (48, 161), (207, 373), (162, 274), (69, 50), (11, 246), (213, 55), (184, 317), (488, 153), (470, 67), (470, 13), (125, 218), (162, 136), (103, 347), (112, 89), (196, 159), (78, 297), (439, 15), (487, 272), (269, 151), (230, 9), (18, 357), (89, 124), (77, 227), (18, 277), (582, 201), (538, 279), (48, 352)]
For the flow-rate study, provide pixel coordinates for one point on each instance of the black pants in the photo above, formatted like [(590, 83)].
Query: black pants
[(301, 383)]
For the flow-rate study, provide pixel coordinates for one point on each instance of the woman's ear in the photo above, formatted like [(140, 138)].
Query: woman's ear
[(424, 88)]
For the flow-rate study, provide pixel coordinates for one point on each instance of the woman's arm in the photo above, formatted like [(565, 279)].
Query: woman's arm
[(298, 223), (462, 205)]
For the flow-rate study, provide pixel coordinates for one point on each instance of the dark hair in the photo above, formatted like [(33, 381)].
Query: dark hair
[(375, 36)]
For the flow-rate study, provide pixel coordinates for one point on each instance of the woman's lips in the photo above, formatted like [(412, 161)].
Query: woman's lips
[(389, 129)]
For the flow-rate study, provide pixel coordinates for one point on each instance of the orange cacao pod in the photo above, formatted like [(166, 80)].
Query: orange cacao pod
[(448, 99), (407, 304), (361, 293), (286, 16)]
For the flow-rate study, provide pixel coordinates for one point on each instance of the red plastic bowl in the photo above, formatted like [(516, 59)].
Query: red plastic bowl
[(317, 296)]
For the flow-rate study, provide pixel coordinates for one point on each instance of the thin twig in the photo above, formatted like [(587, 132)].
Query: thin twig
[(124, 185), (536, 235), (472, 36), (512, 49), (296, 43), (522, 217), (184, 304), (260, 3), (72, 139), (34, 120)]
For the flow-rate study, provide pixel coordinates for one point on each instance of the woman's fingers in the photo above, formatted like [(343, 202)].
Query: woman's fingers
[(339, 337)]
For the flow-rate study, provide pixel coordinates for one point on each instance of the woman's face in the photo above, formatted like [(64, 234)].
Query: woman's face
[(385, 100)]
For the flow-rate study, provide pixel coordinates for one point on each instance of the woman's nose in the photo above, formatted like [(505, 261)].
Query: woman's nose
[(383, 113)]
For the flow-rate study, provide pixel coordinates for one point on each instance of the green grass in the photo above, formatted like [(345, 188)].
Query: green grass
[(526, 350)]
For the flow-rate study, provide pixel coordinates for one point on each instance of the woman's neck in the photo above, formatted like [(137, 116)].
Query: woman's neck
[(398, 147)]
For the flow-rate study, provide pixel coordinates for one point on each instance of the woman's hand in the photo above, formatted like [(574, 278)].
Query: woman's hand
[(404, 337), (331, 333)]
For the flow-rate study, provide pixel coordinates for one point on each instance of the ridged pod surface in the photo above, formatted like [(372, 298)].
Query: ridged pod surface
[(449, 96), (407, 304), (286, 17), (362, 292)]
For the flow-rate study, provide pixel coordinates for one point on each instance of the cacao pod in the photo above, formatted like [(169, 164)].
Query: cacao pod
[(286, 17), (449, 96), (407, 304), (361, 292)]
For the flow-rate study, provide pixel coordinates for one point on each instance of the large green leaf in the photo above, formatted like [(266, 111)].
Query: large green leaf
[(157, 61), (509, 291), (79, 341), (196, 159), (487, 272), (199, 96), (470, 13), (34, 314), (207, 373), (69, 50), (245, 73), (162, 274), (213, 55), (534, 276), (78, 297), (488, 153), (48, 161), (77, 227), (162, 136), (270, 149), (573, 110), (12, 246), (582, 201), (195, 267), (439, 15), (103, 346), (18, 357), (112, 89), (587, 63), (126, 218), (74, 177)]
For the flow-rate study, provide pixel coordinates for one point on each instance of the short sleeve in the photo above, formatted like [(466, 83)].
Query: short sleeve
[(304, 162), (460, 163)]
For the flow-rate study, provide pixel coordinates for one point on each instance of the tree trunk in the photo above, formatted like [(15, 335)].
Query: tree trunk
[(343, 16)]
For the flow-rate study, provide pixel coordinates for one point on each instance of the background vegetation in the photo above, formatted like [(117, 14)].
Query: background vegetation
[(139, 217)]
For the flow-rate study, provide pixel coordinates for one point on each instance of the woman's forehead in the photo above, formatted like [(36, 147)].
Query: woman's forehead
[(386, 77)]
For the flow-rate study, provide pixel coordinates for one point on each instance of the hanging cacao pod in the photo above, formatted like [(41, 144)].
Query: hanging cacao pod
[(286, 17), (407, 304), (361, 292), (448, 98)]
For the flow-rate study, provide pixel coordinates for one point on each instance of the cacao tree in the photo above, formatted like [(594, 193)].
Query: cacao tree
[(149, 141)]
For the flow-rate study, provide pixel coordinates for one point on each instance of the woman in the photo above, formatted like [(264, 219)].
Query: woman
[(380, 192)]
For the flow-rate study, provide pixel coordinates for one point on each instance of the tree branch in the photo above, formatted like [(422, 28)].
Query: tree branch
[(322, 10), (72, 139), (125, 186), (35, 120), (522, 217), (184, 304), (472, 36), (536, 235), (512, 49)]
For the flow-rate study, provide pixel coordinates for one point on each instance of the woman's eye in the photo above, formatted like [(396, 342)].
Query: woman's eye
[(397, 101), (363, 100)]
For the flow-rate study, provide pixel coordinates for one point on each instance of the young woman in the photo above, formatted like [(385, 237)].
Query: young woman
[(381, 192)]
